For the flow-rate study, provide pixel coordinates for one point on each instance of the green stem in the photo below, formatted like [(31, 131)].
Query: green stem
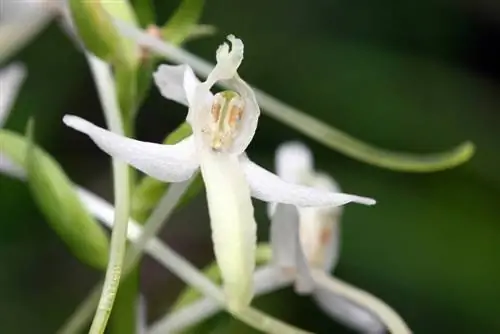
[(117, 249), (121, 179)]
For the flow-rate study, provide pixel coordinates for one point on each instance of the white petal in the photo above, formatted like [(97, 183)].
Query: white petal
[(347, 313), (11, 79), (27, 18), (284, 238), (320, 228), (356, 307), (169, 163), (250, 117), (294, 161), (227, 61), (268, 187), (233, 225), (176, 83), (304, 283), (225, 69)]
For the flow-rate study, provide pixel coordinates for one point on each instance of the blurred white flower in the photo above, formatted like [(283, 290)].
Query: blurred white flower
[(22, 20), (11, 78), (223, 126)]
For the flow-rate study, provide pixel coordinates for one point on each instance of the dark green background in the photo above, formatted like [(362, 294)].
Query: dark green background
[(406, 75)]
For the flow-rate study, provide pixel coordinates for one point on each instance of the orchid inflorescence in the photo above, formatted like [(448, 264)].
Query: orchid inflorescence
[(304, 205)]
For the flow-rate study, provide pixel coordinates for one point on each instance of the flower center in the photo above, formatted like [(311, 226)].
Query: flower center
[(226, 113)]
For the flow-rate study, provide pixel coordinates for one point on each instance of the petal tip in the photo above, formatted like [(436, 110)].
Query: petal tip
[(75, 122)]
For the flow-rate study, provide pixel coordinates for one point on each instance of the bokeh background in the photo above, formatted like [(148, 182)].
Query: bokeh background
[(418, 76)]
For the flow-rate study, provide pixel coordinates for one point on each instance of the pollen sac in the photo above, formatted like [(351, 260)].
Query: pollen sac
[(224, 122)]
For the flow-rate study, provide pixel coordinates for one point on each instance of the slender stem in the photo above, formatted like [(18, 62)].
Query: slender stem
[(266, 279), (121, 180)]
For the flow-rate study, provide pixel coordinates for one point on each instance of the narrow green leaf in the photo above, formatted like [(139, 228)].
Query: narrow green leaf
[(55, 196), (149, 191), (182, 22)]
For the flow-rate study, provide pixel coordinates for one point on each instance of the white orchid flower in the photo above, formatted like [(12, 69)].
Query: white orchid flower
[(11, 78), (223, 126), (313, 244)]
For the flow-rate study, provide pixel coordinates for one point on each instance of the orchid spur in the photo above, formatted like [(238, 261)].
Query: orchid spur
[(305, 248), (223, 126)]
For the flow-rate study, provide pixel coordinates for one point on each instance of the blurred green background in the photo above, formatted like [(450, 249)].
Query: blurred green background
[(405, 75)]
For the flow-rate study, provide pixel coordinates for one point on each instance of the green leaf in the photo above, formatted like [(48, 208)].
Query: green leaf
[(149, 191), (55, 195), (183, 21)]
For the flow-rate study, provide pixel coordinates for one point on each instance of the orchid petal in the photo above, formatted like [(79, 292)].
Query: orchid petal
[(359, 308), (228, 61), (294, 161), (177, 83), (169, 163), (268, 187), (320, 227), (233, 225), (249, 118), (11, 79), (288, 255), (347, 312), (284, 237)]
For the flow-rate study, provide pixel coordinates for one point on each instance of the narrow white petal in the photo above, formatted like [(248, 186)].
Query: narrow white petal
[(347, 313), (268, 187), (356, 307), (249, 118), (169, 163), (320, 227), (233, 225), (11, 79), (304, 283), (228, 61), (177, 83), (284, 238), (294, 161), (288, 256)]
